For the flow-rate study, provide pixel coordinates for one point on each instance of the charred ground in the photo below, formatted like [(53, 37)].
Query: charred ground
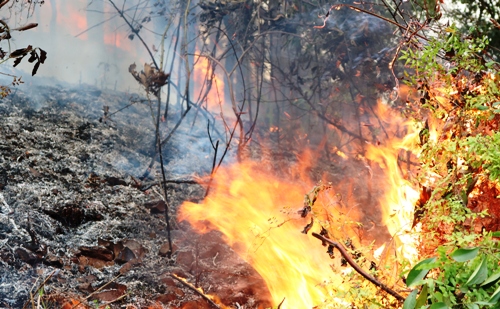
[(72, 207)]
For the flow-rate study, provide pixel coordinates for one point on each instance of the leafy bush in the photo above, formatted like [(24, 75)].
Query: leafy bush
[(464, 278), (458, 116), (484, 153)]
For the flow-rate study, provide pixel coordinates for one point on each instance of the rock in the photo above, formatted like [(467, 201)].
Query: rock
[(97, 252), (26, 255), (164, 249), (185, 258)]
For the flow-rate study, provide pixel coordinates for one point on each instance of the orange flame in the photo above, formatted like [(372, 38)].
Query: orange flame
[(257, 213), (74, 20), (398, 201), (203, 72)]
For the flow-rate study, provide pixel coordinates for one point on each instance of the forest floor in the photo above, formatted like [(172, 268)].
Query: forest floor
[(77, 225)]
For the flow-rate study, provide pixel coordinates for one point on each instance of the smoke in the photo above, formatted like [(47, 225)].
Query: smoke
[(86, 43)]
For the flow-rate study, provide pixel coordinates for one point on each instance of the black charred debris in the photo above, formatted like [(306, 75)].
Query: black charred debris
[(75, 218)]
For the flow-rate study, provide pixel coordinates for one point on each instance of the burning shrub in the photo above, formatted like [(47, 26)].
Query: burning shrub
[(457, 114)]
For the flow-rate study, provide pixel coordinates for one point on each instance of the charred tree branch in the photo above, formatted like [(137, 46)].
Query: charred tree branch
[(165, 141), (164, 186), (357, 268)]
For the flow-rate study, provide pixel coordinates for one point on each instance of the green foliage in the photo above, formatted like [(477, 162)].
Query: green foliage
[(461, 95), (419, 272), (411, 300), (483, 153), (459, 54), (460, 98), (477, 14), (464, 254), (464, 278)]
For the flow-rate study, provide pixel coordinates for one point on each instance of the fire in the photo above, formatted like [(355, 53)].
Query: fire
[(72, 17), (257, 212), (398, 201), (203, 72)]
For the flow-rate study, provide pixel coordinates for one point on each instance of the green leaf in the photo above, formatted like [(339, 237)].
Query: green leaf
[(464, 254), (479, 274), (495, 104), (438, 296), (422, 298), (481, 107), (472, 306), (439, 306), (495, 296), (491, 279), (496, 234), (411, 300), (483, 303), (419, 271)]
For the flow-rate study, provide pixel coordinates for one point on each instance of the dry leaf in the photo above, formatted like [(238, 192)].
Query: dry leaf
[(26, 27)]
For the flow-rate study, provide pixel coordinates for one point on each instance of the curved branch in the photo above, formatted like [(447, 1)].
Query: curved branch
[(357, 268)]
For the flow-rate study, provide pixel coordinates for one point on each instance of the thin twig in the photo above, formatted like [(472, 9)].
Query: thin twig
[(358, 9), (279, 306), (98, 290), (102, 287), (136, 32), (165, 141), (41, 286), (212, 173), (187, 284)]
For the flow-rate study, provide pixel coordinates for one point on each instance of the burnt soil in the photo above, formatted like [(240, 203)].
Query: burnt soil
[(77, 224)]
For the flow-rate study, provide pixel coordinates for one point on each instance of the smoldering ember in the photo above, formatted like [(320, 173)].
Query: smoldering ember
[(249, 154)]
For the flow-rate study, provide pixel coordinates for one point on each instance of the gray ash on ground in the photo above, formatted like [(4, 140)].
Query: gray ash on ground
[(71, 205)]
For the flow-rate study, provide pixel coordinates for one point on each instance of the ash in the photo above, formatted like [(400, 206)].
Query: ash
[(77, 223)]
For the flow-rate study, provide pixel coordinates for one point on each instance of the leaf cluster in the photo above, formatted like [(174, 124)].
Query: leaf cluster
[(458, 104), (465, 278), (457, 112), (39, 57), (483, 153)]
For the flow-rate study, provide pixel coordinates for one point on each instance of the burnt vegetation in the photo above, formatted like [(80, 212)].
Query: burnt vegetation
[(265, 80)]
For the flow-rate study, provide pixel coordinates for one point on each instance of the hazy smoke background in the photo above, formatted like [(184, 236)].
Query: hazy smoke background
[(86, 41)]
